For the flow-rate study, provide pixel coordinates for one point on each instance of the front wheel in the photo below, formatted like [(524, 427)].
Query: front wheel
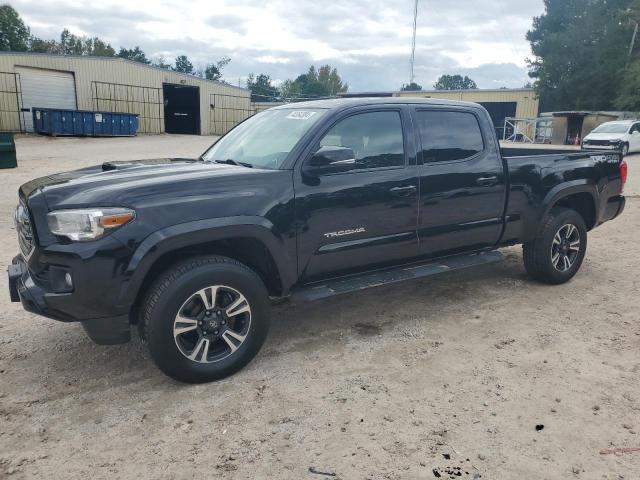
[(558, 250), (206, 318), (625, 150)]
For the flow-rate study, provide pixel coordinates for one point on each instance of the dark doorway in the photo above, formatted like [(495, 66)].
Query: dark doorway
[(574, 129), (181, 108), (498, 111)]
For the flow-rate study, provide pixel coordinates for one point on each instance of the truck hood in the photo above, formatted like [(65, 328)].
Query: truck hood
[(118, 183), (605, 136)]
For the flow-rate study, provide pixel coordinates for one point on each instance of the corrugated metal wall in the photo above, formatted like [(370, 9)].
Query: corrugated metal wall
[(527, 103), (115, 84)]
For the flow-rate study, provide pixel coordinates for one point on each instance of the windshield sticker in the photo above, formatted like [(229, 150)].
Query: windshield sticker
[(301, 115)]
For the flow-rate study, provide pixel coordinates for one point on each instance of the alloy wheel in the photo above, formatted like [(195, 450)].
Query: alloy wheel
[(212, 324), (565, 247)]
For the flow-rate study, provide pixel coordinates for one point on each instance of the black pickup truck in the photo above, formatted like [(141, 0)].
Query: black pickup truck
[(306, 200)]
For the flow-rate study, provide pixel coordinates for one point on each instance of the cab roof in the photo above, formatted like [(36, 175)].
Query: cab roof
[(340, 103)]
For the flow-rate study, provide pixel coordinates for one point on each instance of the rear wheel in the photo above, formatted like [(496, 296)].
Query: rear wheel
[(558, 250), (205, 319)]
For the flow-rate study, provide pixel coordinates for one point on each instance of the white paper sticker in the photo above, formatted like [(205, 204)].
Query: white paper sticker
[(301, 115), (37, 114), (98, 117)]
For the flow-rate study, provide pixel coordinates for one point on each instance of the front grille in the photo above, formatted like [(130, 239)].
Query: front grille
[(598, 142), (25, 231)]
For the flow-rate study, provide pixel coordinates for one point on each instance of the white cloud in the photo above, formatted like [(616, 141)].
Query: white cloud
[(368, 41)]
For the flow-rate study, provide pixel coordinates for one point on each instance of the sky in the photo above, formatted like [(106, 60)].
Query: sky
[(369, 41)]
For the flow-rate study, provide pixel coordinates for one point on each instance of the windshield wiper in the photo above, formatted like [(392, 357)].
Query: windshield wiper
[(231, 161)]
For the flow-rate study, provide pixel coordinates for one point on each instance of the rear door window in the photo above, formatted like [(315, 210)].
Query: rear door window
[(448, 136)]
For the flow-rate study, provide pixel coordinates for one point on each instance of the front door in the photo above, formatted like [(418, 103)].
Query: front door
[(368, 215), (462, 184)]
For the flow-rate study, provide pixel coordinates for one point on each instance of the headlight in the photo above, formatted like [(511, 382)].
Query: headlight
[(87, 224)]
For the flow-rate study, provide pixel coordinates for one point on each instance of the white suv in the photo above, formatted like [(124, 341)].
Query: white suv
[(622, 135)]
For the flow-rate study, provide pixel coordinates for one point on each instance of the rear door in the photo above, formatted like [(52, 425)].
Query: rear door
[(367, 216), (462, 183)]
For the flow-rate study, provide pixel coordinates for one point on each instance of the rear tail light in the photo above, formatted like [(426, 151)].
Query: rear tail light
[(623, 174)]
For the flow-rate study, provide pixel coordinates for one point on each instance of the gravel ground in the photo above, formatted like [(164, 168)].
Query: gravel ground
[(447, 372)]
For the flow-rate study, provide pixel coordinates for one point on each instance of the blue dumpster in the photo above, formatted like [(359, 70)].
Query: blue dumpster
[(53, 121)]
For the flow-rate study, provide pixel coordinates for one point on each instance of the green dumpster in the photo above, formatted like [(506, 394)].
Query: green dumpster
[(7, 151)]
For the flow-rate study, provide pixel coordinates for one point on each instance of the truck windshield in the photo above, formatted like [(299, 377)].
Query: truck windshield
[(611, 128), (264, 140)]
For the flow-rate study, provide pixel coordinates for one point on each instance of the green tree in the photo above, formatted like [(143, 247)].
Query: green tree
[(261, 88), (580, 48), (136, 54), (329, 78), (289, 90), (213, 71), (322, 82), (71, 44), (161, 62), (39, 45), (183, 65), (411, 87), (455, 82), (14, 34), (96, 47), (629, 95)]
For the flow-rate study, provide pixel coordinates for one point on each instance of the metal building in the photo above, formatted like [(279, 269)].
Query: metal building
[(502, 103), (165, 101)]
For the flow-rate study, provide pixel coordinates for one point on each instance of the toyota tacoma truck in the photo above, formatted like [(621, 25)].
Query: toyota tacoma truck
[(301, 201)]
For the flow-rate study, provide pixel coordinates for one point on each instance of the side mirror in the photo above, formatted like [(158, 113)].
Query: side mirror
[(330, 160), (635, 132)]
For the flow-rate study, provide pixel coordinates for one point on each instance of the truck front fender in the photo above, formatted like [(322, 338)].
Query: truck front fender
[(199, 232)]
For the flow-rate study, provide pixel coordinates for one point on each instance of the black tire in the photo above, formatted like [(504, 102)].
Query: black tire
[(539, 255), (624, 150), (177, 289)]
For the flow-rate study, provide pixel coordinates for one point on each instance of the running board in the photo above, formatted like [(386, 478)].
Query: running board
[(394, 275)]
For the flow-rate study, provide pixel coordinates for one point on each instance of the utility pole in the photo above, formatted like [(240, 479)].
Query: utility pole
[(413, 43)]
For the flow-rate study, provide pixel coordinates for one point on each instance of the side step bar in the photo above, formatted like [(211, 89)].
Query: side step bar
[(355, 283)]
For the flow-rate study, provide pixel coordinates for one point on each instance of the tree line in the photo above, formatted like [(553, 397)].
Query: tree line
[(15, 36), (321, 82), (445, 82)]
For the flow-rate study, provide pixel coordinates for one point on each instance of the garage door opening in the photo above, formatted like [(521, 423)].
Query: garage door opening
[(181, 109), (45, 89), (498, 111)]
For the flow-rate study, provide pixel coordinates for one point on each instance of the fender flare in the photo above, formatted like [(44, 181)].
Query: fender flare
[(566, 189), (197, 232)]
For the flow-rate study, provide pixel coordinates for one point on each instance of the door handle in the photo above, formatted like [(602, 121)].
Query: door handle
[(404, 191), (487, 181)]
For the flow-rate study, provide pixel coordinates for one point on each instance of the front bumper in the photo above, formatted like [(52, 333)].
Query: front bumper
[(602, 147), (35, 299)]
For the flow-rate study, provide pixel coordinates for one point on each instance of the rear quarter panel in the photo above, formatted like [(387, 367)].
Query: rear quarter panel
[(537, 182)]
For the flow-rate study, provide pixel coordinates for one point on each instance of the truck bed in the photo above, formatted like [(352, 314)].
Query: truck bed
[(537, 175)]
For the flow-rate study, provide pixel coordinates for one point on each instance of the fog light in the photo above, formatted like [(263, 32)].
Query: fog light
[(68, 281)]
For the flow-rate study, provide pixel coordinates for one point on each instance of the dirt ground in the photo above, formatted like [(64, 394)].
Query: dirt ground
[(394, 382)]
